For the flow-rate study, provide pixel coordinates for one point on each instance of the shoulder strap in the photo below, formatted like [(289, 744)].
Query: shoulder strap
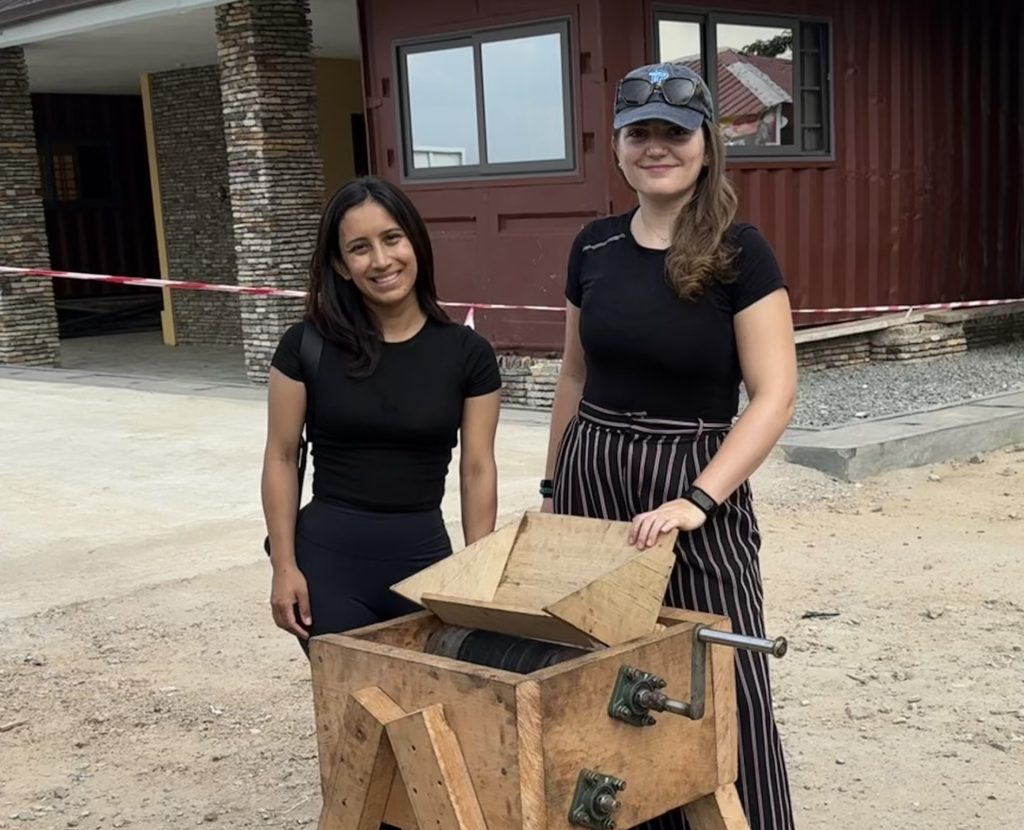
[(310, 348)]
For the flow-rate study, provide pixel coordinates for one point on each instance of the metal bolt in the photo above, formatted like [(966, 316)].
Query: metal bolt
[(629, 673), (624, 710), (649, 720), (660, 683)]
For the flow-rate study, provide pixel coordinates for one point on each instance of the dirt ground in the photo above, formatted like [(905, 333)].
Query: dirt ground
[(143, 684)]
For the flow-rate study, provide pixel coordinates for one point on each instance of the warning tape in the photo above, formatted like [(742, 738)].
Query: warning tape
[(267, 291)]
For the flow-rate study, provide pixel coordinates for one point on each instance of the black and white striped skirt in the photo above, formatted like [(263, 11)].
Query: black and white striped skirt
[(614, 465)]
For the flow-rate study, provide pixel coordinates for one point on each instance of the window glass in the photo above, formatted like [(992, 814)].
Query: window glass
[(524, 103), (442, 106), (755, 85), (680, 41)]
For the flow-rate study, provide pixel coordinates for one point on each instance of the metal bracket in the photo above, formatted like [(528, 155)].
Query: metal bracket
[(637, 693), (595, 802)]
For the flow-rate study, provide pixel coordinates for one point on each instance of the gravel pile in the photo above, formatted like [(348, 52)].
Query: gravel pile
[(873, 390)]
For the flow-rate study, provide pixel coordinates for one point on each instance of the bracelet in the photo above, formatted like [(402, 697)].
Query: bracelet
[(547, 488)]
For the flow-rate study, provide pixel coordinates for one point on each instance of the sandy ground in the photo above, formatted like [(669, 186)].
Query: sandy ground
[(143, 684)]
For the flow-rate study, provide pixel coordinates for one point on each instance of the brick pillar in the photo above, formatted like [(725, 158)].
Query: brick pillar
[(28, 320), (269, 103), (196, 203)]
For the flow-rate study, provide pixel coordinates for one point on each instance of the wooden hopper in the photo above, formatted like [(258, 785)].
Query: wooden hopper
[(548, 577), (428, 742)]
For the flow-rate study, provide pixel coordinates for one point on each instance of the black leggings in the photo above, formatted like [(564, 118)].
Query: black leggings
[(351, 558)]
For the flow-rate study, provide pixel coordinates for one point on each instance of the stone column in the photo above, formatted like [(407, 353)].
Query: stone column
[(28, 319), (269, 102), (196, 203)]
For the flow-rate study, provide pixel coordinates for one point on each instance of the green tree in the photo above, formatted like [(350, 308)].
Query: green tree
[(770, 47)]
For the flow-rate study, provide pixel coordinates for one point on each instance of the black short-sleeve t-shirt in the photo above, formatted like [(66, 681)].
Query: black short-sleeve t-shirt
[(384, 442), (646, 349)]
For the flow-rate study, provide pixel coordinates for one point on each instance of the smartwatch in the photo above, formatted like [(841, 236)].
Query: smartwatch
[(698, 497), (547, 488)]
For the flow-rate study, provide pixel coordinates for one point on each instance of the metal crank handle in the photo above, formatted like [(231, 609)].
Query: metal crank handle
[(776, 648)]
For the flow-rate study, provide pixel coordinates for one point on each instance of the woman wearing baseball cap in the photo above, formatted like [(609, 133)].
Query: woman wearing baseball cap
[(671, 306)]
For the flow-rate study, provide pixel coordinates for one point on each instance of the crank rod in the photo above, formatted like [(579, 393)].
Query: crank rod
[(776, 648), (637, 693)]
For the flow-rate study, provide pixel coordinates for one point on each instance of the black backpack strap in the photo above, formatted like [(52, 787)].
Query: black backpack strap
[(310, 348)]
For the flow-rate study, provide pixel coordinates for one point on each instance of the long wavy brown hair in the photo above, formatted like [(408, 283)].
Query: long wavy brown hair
[(701, 252)]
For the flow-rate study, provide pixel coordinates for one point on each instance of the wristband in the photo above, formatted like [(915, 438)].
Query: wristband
[(547, 488), (702, 500)]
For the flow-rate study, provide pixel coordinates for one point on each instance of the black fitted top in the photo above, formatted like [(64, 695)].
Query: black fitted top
[(646, 349), (384, 443)]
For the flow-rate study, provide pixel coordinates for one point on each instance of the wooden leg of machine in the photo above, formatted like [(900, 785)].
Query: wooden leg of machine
[(434, 771), (364, 767), (719, 811)]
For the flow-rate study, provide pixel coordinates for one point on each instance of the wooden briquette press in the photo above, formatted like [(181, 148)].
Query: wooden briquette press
[(524, 696)]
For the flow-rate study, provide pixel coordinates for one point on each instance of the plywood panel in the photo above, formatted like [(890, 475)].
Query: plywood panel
[(480, 706), (675, 760), (556, 555)]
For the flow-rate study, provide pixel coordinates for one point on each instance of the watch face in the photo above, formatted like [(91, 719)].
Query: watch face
[(703, 501)]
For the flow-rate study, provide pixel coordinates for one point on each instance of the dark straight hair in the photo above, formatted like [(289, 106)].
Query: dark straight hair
[(335, 305)]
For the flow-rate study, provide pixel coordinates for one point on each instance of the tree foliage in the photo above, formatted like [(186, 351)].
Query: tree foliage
[(770, 47)]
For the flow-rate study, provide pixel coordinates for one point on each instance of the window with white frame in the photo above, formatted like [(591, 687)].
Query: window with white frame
[(770, 77), (486, 103)]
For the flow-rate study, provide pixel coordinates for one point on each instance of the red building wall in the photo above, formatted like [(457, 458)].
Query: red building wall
[(922, 202)]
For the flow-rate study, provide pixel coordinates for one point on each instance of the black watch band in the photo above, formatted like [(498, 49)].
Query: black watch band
[(698, 497), (547, 488)]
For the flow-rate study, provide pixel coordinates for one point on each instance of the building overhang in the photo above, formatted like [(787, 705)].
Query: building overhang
[(106, 48)]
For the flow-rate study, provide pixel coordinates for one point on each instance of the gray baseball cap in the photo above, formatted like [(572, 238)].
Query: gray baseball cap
[(663, 92)]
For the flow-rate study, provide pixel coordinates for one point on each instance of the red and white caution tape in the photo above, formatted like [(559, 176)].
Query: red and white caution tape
[(267, 291), (154, 283)]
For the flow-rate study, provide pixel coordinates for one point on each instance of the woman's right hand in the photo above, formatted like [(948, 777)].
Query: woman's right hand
[(288, 593), (547, 506)]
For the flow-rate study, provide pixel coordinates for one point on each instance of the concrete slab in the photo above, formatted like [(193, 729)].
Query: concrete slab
[(855, 451), (1013, 399)]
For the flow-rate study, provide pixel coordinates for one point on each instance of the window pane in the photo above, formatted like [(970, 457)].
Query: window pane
[(679, 41), (812, 115), (442, 107), (524, 104), (65, 183), (810, 65), (814, 139), (755, 85)]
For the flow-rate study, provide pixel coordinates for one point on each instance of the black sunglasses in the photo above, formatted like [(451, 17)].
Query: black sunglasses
[(676, 91)]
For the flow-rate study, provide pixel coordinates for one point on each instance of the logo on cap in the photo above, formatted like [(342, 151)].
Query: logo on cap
[(658, 75)]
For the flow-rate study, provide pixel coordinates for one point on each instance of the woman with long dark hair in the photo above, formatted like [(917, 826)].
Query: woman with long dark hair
[(398, 385), (671, 306)]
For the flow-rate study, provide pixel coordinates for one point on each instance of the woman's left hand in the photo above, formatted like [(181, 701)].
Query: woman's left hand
[(677, 515)]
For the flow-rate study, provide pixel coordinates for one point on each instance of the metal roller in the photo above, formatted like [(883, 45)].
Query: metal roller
[(499, 651)]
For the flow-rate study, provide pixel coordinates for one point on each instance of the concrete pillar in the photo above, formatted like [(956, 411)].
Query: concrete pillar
[(188, 130), (268, 97), (28, 319)]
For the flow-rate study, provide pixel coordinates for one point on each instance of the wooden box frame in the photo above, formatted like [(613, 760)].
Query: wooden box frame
[(429, 742)]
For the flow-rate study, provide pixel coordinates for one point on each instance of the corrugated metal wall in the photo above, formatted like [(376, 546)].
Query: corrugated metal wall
[(925, 202)]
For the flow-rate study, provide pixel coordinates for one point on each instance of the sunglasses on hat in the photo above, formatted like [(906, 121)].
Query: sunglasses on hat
[(634, 92)]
